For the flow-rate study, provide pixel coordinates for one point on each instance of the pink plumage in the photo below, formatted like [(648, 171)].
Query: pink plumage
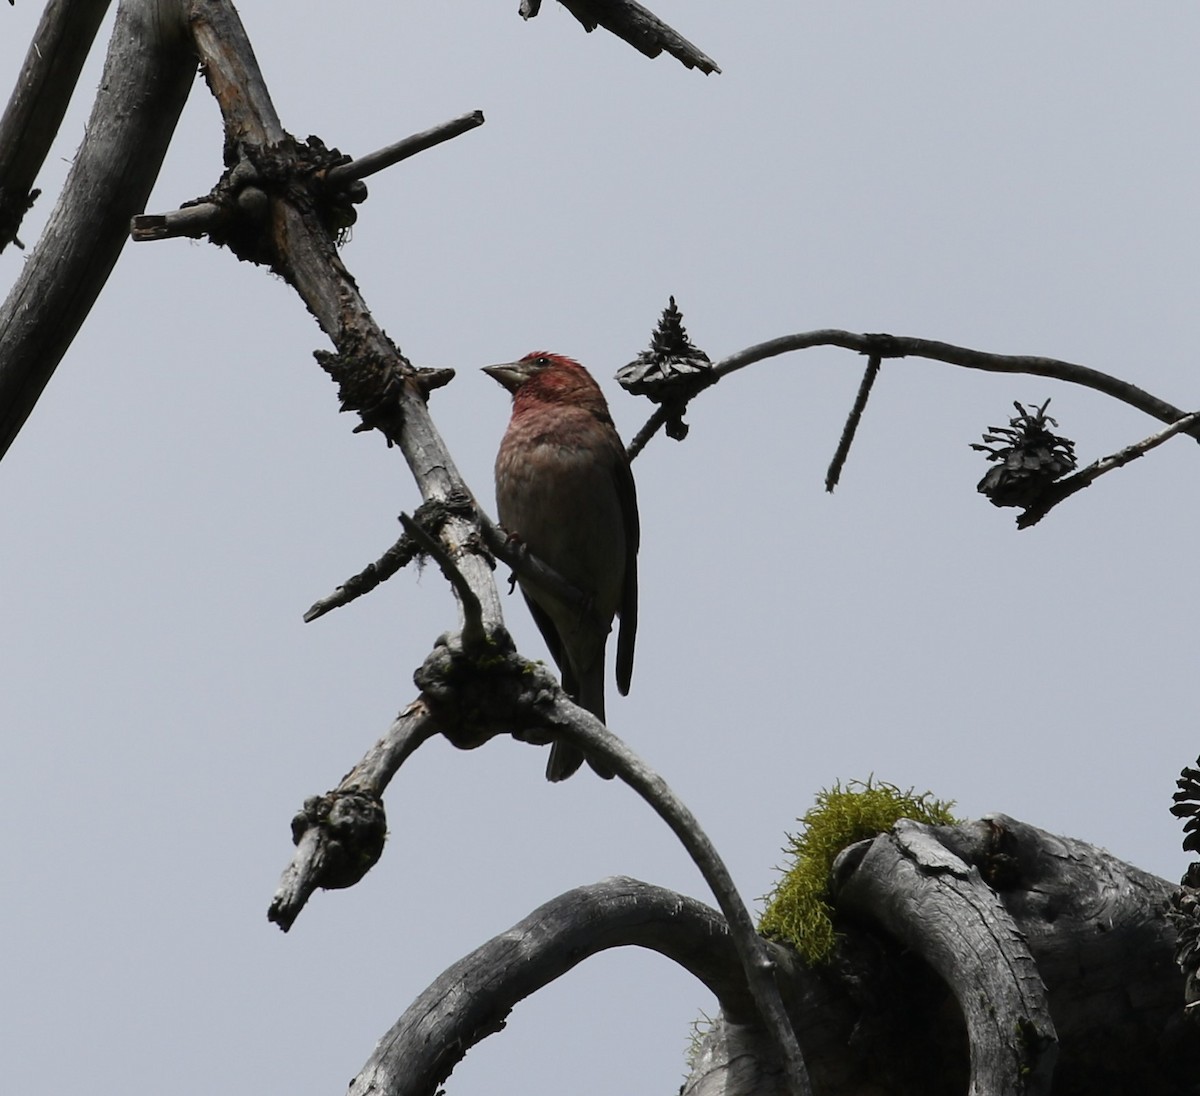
[(564, 488)]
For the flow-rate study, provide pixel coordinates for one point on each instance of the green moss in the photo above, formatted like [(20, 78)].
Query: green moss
[(797, 910)]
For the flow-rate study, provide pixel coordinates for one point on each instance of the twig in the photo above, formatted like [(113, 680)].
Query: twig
[(398, 556), (1085, 477), (653, 425), (848, 431), (472, 631), (637, 25), (401, 150), (193, 221)]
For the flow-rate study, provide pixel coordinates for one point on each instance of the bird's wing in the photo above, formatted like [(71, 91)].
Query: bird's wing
[(554, 642)]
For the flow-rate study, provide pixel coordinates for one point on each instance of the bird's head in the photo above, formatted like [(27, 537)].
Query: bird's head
[(544, 377)]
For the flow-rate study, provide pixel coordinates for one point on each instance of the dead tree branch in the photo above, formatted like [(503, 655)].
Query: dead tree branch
[(39, 101), (1085, 477), (473, 998), (402, 150), (931, 901), (147, 77), (632, 23), (1090, 945), (339, 836)]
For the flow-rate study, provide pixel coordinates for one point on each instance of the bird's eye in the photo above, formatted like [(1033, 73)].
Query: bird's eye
[(541, 363)]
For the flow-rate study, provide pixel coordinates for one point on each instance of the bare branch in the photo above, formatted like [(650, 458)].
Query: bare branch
[(339, 836), (39, 101), (398, 556), (1085, 477), (637, 25), (474, 996), (402, 150), (516, 698), (147, 76), (193, 221), (374, 377), (899, 346), (848, 431), (472, 631)]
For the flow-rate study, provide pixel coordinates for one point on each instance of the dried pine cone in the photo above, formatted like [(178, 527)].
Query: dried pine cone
[(1184, 911), (672, 371), (1029, 458)]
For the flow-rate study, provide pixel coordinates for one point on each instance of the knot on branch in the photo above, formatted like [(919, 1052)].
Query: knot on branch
[(335, 195), (354, 828), (367, 384), (433, 515), (236, 212), (1029, 458), (13, 207), (476, 695), (670, 372), (882, 345)]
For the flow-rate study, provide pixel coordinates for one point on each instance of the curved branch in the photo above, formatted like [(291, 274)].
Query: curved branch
[(474, 699), (39, 102), (899, 346), (146, 80), (930, 900), (592, 737), (472, 999)]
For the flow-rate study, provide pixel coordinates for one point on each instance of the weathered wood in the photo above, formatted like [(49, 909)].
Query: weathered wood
[(39, 101), (473, 998), (876, 1019), (933, 902), (637, 25), (146, 80)]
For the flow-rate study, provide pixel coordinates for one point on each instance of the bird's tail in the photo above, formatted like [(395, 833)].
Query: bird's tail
[(565, 758)]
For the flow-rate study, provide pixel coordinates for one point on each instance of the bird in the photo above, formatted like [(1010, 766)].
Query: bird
[(564, 489)]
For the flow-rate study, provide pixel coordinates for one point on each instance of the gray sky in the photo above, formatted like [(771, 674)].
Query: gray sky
[(1014, 177)]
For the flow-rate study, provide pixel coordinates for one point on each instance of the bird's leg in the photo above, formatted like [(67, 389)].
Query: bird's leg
[(514, 541)]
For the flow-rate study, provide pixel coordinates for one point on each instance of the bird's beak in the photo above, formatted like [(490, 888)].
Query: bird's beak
[(510, 374)]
